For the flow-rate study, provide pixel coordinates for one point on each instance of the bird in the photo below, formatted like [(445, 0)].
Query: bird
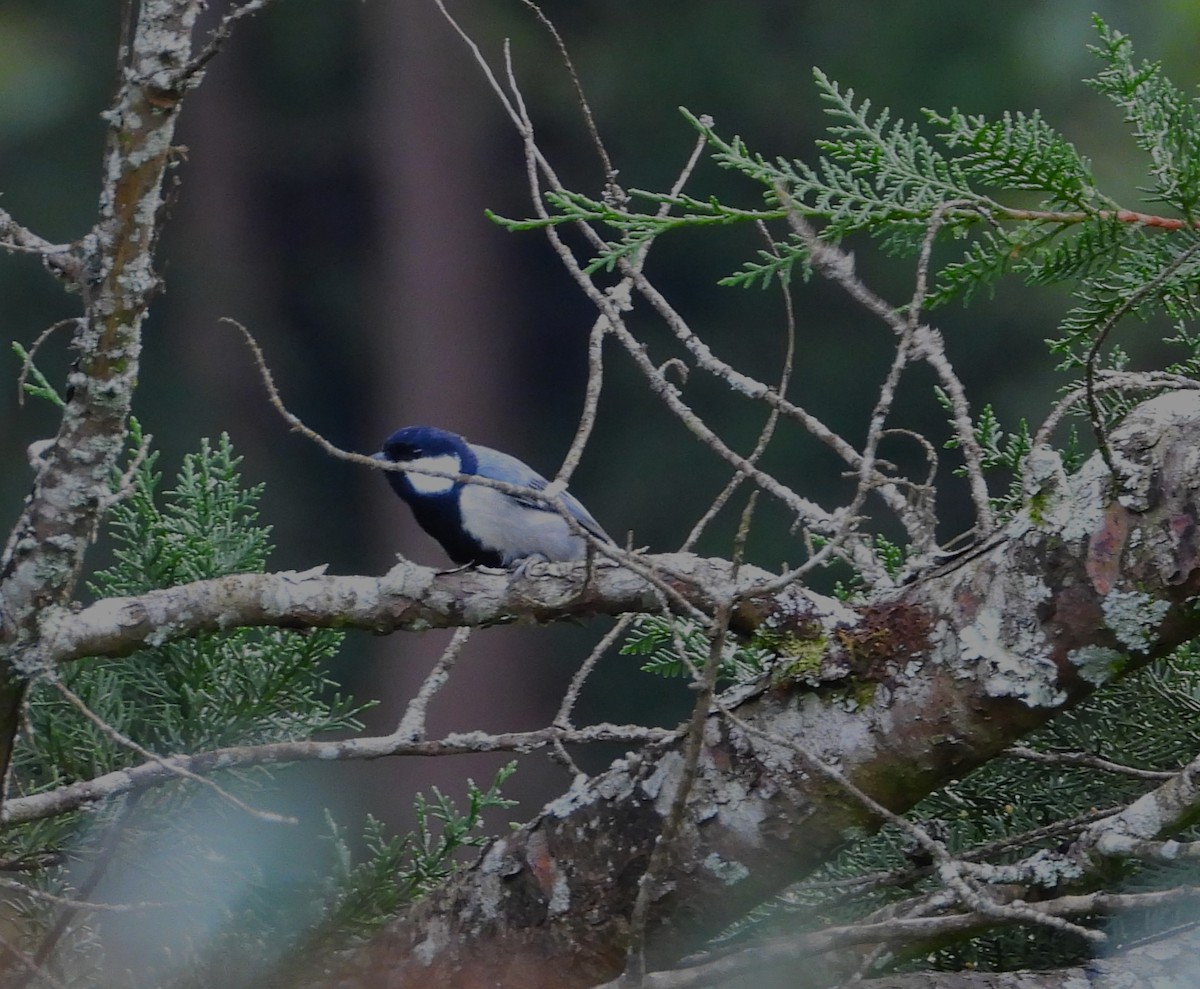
[(475, 524)]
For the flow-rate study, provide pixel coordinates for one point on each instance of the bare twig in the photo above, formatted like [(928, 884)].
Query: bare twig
[(1087, 760), (768, 429), (619, 294), (163, 769), (1128, 305), (99, 868), (170, 765), (838, 266), (412, 724), (563, 718), (896, 930), (893, 878), (193, 72), (75, 903), (949, 869), (14, 237), (27, 363), (33, 969), (1110, 381), (813, 516), (613, 191)]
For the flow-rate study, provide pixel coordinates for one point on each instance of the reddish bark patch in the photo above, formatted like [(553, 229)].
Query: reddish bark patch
[(1105, 548)]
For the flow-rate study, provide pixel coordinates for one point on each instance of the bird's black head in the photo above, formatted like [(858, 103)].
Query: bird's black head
[(434, 499), (416, 442), (431, 448)]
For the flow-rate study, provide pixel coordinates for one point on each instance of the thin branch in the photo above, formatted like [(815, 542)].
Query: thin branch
[(813, 516), (160, 770), (193, 72), (619, 294), (172, 766), (412, 724), (936, 219), (75, 903), (613, 191), (59, 258), (1085, 759), (949, 869), (1153, 815), (1109, 381), (768, 430), (899, 930), (853, 886), (27, 963), (571, 696), (27, 362), (99, 868), (1128, 305), (838, 266)]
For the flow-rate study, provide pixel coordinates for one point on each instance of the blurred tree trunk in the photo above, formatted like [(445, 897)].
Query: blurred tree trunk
[(439, 343)]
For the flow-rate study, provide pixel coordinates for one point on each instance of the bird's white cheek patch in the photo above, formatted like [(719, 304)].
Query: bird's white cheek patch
[(426, 484)]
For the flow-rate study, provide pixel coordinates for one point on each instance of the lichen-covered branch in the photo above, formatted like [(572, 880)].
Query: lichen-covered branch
[(114, 274), (413, 598), (165, 769), (1159, 813), (926, 683)]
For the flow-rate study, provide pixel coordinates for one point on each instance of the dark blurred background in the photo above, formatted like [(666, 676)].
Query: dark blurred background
[(339, 160)]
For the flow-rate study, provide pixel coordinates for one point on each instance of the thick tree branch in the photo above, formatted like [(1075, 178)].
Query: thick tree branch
[(930, 681), (414, 598), (1158, 814)]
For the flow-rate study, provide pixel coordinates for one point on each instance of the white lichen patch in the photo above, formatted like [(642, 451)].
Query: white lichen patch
[(1133, 617), (728, 872), (437, 937), (1080, 510), (159, 636), (1096, 664), (1021, 670), (660, 786), (740, 811), (406, 579), (581, 795), (498, 863), (1044, 470), (560, 896), (1047, 870)]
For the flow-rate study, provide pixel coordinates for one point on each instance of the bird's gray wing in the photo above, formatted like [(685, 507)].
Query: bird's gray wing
[(498, 466)]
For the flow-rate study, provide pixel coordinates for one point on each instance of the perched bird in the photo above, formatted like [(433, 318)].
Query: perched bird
[(477, 524)]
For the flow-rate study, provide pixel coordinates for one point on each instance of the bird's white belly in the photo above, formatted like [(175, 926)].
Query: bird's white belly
[(516, 531)]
